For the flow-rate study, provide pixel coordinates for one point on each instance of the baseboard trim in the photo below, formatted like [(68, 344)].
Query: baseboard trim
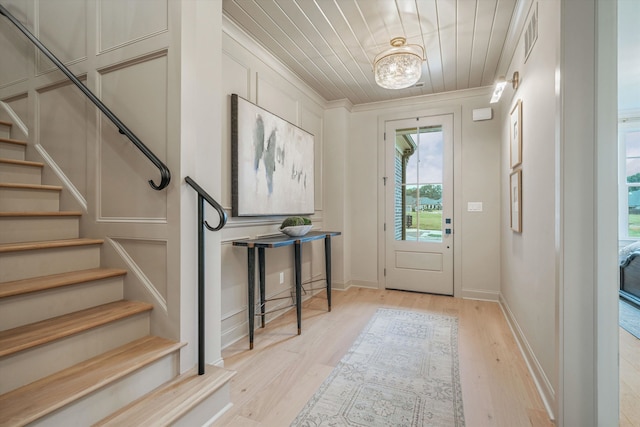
[(479, 294), (362, 284), (545, 390)]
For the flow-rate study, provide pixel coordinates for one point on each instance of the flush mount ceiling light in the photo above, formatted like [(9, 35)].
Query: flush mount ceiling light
[(400, 66), (500, 85)]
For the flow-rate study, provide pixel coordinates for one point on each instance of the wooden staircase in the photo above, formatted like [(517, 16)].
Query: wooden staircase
[(73, 351)]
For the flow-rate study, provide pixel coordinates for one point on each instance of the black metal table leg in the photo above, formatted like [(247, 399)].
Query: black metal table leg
[(251, 280), (327, 264), (262, 281), (298, 267)]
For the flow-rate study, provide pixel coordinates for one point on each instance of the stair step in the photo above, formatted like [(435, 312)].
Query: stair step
[(167, 404), (31, 300), (38, 284), (31, 246), (29, 197), (5, 123), (37, 226), (33, 401), (34, 259), (20, 171), (12, 148), (35, 334)]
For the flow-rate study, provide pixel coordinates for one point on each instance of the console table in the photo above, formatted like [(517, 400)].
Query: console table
[(277, 242)]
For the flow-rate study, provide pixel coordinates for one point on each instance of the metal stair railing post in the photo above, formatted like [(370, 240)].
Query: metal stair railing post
[(202, 223), (165, 174)]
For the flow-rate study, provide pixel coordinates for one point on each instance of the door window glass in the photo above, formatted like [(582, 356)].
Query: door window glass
[(419, 184)]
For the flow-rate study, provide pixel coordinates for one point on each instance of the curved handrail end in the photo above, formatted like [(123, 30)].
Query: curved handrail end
[(165, 179)]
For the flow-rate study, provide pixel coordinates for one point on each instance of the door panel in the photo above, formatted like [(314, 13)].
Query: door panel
[(419, 204)]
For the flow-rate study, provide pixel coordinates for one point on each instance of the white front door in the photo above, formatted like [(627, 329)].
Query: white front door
[(419, 204)]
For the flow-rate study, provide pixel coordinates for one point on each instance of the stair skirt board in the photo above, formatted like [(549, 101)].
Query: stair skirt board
[(38, 362), (36, 306), (42, 262), (101, 403), (38, 228)]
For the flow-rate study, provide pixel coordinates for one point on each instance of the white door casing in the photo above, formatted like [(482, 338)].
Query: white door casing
[(418, 224)]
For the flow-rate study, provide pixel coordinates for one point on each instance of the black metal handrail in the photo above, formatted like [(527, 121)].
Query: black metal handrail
[(202, 196), (165, 174)]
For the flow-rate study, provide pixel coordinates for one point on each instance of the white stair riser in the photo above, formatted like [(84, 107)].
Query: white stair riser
[(42, 262), (105, 401), (28, 200), (209, 410), (36, 229), (30, 308), (30, 365), (11, 151), (21, 174), (5, 131)]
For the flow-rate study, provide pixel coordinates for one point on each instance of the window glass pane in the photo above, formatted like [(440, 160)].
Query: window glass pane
[(419, 165), (634, 212), (632, 147)]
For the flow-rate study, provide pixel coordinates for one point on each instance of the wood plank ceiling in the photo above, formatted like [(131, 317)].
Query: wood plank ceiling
[(331, 44)]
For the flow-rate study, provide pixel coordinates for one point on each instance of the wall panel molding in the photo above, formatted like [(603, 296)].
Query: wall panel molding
[(137, 270), (120, 24)]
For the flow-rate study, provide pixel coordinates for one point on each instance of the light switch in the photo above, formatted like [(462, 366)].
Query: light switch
[(474, 206)]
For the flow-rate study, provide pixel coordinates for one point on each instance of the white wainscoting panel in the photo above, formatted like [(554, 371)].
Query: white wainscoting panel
[(62, 130), (149, 259), (122, 22), (276, 100), (61, 25), (137, 93), (14, 46), (237, 78)]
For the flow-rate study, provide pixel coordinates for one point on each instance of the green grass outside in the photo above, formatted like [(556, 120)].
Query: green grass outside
[(432, 220), (634, 225)]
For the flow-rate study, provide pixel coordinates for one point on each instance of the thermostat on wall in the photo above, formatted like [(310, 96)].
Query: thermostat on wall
[(482, 114)]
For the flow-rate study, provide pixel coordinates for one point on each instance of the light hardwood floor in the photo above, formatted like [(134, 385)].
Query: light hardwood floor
[(629, 380), (277, 377)]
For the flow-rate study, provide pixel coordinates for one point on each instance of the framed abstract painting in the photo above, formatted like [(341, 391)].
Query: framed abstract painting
[(272, 163)]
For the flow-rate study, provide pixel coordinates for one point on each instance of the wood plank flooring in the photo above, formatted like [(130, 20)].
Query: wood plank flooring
[(277, 377), (629, 380)]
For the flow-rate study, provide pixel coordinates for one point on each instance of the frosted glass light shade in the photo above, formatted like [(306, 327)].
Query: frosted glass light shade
[(398, 67)]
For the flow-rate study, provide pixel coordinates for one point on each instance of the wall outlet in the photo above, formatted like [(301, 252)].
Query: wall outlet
[(281, 277)]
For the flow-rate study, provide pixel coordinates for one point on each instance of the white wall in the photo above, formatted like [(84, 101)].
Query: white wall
[(529, 270), (476, 179), (250, 72)]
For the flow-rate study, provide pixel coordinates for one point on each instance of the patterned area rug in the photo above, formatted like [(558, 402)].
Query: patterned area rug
[(401, 371), (629, 318)]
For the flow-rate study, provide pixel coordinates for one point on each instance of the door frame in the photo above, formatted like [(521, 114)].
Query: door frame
[(456, 111)]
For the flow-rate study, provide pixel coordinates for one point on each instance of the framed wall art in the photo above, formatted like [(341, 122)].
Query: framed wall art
[(272, 163), (515, 133), (515, 200)]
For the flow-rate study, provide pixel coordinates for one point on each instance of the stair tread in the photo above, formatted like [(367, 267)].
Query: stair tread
[(168, 403), (34, 334), (40, 214), (48, 244), (22, 162), (5, 123), (25, 286), (32, 401), (30, 186), (13, 141)]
